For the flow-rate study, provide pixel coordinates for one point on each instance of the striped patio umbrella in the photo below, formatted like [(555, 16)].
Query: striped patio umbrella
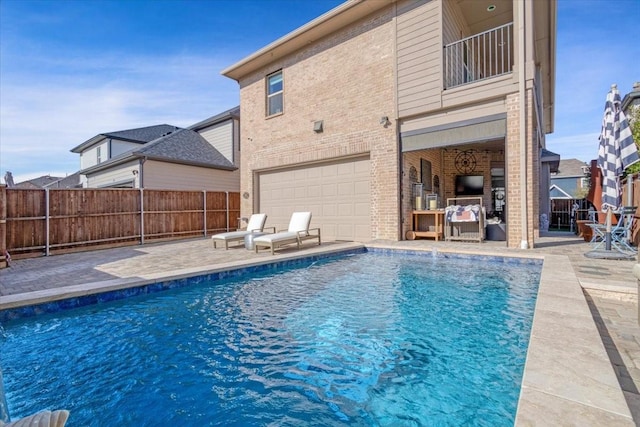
[(617, 152)]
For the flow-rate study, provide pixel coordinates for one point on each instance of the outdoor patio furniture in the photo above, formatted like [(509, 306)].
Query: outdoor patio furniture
[(255, 224), (297, 232), (620, 232)]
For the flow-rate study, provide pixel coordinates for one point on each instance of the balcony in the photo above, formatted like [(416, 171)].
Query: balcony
[(479, 57)]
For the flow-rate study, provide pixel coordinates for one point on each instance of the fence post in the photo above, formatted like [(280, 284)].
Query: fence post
[(141, 216), (227, 193), (3, 225), (204, 210), (46, 222)]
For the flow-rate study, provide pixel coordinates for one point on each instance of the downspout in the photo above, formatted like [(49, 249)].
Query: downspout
[(141, 174), (524, 243)]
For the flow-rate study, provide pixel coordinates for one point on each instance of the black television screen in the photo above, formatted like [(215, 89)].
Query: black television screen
[(469, 185)]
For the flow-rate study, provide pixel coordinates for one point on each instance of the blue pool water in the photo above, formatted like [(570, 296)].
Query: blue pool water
[(368, 339)]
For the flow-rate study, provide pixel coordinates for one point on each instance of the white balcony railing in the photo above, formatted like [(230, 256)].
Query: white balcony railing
[(481, 56)]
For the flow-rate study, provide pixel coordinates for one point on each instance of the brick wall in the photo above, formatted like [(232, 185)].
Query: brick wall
[(346, 80), (515, 198)]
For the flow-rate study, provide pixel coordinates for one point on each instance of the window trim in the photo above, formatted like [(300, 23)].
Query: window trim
[(268, 95)]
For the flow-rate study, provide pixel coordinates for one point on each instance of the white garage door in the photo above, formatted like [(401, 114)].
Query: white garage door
[(337, 194)]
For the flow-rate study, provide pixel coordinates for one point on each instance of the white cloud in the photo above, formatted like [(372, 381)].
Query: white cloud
[(42, 118)]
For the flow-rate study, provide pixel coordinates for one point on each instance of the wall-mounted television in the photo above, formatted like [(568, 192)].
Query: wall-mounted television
[(469, 185)]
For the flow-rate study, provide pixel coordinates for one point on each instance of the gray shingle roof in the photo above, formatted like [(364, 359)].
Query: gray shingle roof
[(571, 167), (185, 146), (142, 135)]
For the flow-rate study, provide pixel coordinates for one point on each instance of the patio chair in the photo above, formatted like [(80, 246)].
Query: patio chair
[(297, 232), (620, 232), (255, 224)]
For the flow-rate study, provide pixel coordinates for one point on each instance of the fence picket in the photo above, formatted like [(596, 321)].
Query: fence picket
[(39, 221)]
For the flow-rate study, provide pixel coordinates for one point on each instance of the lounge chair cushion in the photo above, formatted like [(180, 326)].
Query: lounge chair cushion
[(256, 222), (277, 237), (231, 235), (299, 221)]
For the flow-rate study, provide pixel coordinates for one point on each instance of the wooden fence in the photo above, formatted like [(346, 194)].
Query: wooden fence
[(42, 222)]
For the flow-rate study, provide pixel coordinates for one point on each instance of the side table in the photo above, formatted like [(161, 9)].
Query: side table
[(248, 239)]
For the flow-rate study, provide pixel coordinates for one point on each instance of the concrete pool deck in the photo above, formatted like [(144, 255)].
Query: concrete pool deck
[(583, 363)]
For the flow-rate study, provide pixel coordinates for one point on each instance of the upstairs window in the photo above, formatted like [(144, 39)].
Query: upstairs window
[(274, 93), (99, 154)]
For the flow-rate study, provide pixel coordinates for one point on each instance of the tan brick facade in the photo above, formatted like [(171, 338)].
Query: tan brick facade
[(344, 80), (515, 222)]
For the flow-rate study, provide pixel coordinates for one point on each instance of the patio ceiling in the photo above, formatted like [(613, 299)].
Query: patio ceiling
[(480, 19)]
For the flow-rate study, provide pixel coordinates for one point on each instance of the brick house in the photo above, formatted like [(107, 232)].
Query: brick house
[(345, 114)]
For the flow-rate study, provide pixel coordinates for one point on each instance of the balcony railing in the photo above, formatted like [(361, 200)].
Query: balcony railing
[(481, 56)]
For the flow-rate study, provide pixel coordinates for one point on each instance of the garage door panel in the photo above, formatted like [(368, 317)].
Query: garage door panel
[(345, 169), (300, 193), (345, 189), (337, 194), (314, 191), (328, 171), (329, 210), (329, 190), (345, 209), (362, 209)]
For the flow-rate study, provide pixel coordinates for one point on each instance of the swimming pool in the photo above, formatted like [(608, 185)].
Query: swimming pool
[(369, 339)]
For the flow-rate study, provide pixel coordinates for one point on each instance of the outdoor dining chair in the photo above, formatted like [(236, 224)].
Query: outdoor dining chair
[(620, 232)]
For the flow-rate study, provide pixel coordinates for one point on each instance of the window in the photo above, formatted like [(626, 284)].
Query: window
[(99, 154), (274, 93)]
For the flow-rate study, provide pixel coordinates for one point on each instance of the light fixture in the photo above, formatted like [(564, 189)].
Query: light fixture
[(317, 126), (384, 120), (491, 8)]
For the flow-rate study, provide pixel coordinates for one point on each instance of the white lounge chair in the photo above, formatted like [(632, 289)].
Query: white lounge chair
[(256, 223), (297, 232)]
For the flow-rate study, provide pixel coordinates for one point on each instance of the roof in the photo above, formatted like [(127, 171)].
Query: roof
[(225, 115), (39, 182), (137, 135), (70, 181), (632, 98), (552, 158), (183, 146), (571, 168)]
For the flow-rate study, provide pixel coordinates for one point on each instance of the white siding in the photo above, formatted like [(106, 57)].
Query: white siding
[(114, 176), (89, 157), (173, 176), (221, 137)]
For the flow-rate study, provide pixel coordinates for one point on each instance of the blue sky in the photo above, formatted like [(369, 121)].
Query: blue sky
[(71, 69)]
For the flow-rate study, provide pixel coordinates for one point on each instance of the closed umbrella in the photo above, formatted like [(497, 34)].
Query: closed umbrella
[(617, 152)]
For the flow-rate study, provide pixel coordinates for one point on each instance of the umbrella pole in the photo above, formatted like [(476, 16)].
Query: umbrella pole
[(607, 234)]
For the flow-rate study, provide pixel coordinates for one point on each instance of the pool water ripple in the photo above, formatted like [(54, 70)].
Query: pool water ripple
[(363, 340)]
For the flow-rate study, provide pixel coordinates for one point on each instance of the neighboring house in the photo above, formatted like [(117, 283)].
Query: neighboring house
[(48, 181), (343, 115), (571, 181), (631, 100), (203, 157)]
